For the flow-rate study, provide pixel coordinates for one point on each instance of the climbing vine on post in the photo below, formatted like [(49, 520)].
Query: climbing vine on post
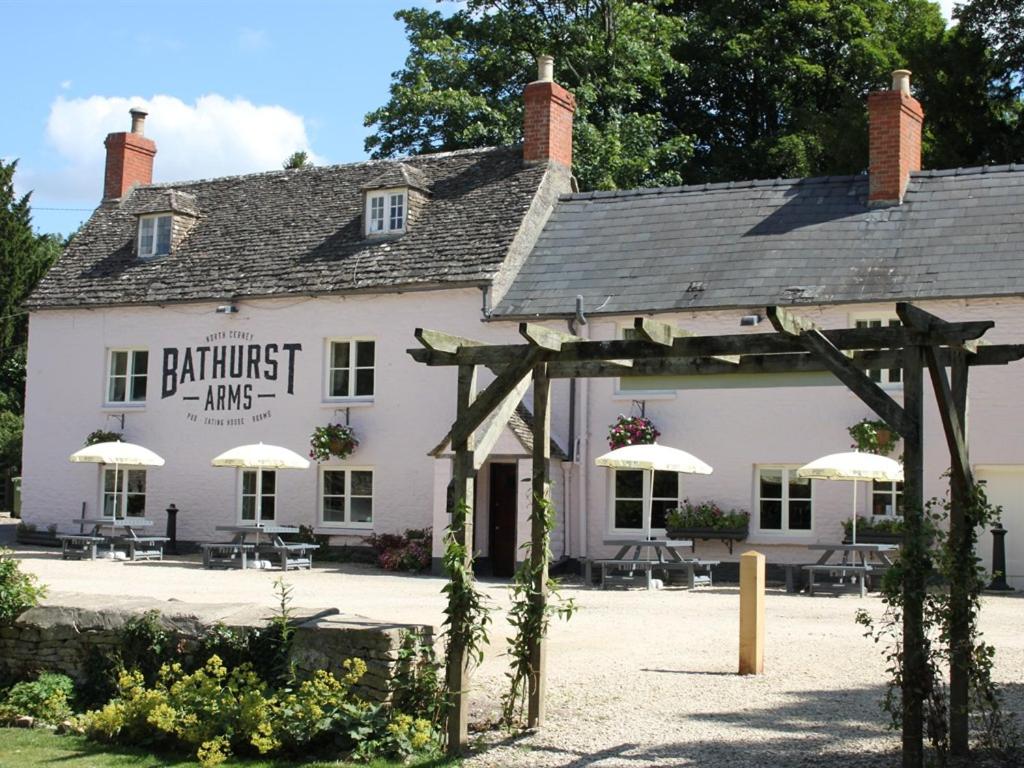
[(993, 729), (467, 614), (530, 618)]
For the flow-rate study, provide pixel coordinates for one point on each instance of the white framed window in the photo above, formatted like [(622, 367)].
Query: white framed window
[(127, 375), (886, 499), (346, 496), (784, 502), (257, 498), (350, 369), (124, 492), (386, 211), (154, 235), (631, 488), (881, 375)]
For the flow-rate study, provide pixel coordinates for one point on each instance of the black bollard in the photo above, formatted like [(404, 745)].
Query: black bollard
[(999, 560), (172, 530)]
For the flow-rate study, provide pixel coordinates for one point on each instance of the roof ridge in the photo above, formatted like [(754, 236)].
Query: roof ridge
[(973, 170), (333, 166), (712, 186)]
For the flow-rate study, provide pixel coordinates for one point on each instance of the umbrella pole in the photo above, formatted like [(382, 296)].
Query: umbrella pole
[(854, 537), (648, 503)]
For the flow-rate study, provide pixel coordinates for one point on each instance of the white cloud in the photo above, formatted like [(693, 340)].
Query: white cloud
[(252, 39), (215, 136), (65, 85)]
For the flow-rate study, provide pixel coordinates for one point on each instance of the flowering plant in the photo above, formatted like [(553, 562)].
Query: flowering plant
[(333, 440), (409, 551), (705, 514), (632, 430)]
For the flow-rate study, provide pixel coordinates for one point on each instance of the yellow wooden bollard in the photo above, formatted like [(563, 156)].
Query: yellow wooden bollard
[(751, 613)]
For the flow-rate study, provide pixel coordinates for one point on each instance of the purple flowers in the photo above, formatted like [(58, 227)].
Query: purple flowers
[(632, 430)]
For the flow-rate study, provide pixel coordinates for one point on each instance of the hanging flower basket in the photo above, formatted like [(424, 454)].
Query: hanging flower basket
[(337, 440), (102, 436), (632, 430), (873, 436)]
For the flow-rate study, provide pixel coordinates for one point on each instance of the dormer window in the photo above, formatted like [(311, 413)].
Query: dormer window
[(385, 212), (154, 236)]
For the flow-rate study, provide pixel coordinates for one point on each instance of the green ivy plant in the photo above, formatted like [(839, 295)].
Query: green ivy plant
[(103, 436), (993, 729), (530, 617), (873, 436), (333, 440)]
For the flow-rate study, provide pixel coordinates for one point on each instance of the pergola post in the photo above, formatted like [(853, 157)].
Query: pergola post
[(914, 558), (457, 673), (538, 541)]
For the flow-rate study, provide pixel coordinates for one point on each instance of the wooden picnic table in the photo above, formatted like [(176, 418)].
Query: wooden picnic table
[(647, 555), (297, 555), (121, 529), (871, 557)]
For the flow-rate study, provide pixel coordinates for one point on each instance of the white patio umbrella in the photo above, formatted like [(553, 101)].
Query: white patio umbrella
[(260, 457), (120, 455), (650, 458), (853, 466)]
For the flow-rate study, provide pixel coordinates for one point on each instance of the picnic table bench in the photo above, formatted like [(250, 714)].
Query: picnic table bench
[(853, 563), (145, 547), (290, 556), (648, 556), (295, 556), (78, 545), (227, 554)]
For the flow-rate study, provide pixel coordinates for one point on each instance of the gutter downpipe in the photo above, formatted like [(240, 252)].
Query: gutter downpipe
[(579, 319)]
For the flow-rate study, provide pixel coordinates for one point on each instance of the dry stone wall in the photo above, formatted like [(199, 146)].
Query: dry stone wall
[(63, 636)]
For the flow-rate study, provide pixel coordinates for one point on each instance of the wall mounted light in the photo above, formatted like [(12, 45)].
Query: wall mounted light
[(750, 320)]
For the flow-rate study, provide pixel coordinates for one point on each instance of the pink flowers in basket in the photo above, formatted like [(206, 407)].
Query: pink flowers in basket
[(632, 430)]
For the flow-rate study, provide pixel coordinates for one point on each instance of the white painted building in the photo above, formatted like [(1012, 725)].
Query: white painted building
[(205, 315)]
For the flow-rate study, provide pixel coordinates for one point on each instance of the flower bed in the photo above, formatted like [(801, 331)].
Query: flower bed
[(409, 551)]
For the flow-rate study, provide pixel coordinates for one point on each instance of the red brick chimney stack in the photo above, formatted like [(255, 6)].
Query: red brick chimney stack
[(129, 158), (894, 137), (547, 119)]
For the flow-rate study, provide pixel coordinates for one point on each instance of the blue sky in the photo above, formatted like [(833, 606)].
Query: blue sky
[(231, 86)]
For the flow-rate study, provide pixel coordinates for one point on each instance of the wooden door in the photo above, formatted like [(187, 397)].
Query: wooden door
[(503, 503)]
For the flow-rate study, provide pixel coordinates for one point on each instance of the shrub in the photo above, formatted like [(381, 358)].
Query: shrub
[(874, 525), (103, 436), (19, 591), (705, 514), (48, 699), (409, 551)]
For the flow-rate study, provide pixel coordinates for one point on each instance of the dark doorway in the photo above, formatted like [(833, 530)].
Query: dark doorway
[(503, 519)]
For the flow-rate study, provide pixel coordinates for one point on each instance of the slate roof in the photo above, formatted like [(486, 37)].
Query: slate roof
[(959, 233), (301, 231)]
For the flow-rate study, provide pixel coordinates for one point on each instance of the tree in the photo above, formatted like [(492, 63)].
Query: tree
[(297, 159), (1001, 24), (463, 81)]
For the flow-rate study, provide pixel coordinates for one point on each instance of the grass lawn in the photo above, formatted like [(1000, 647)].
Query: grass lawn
[(37, 747)]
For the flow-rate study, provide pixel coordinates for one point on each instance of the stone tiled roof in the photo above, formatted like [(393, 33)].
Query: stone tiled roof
[(958, 233), (399, 175), (520, 423), (301, 231)]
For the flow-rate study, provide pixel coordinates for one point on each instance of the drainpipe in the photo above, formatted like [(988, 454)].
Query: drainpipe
[(579, 319)]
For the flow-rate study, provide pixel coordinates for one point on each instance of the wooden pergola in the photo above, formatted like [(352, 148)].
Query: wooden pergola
[(924, 341)]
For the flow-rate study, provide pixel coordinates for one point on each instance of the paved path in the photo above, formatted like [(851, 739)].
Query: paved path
[(636, 678)]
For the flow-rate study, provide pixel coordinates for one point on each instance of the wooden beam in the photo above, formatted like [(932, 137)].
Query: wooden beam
[(537, 679), (548, 338), (710, 346), (664, 334), (784, 321), (439, 341), (496, 391), (486, 439), (857, 381), (951, 424), (926, 322)]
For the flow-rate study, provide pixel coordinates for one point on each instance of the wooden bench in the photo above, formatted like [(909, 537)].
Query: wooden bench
[(145, 547), (632, 566), (294, 556), (860, 572), (690, 565), (227, 554), (79, 545)]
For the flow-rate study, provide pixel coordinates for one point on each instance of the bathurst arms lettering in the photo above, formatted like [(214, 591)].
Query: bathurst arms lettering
[(231, 376)]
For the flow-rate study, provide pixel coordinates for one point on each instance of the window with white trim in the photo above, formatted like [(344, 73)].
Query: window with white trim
[(882, 375), (784, 501), (632, 487), (386, 211), (346, 496), (154, 235), (126, 375), (350, 368), (886, 499), (124, 490), (258, 497)]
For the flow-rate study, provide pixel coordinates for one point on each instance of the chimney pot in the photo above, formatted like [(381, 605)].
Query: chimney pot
[(901, 81), (545, 68), (138, 120)]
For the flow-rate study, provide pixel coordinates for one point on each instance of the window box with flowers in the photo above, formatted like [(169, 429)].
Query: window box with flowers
[(632, 430), (706, 520), (886, 530), (337, 440)]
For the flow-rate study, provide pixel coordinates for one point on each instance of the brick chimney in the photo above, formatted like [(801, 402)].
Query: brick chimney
[(894, 137), (547, 119), (129, 158)]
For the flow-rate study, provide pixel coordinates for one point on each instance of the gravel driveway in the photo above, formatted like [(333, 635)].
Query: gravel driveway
[(636, 678)]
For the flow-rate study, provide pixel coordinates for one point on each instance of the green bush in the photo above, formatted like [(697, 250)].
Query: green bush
[(19, 591), (881, 524), (48, 699), (705, 514)]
